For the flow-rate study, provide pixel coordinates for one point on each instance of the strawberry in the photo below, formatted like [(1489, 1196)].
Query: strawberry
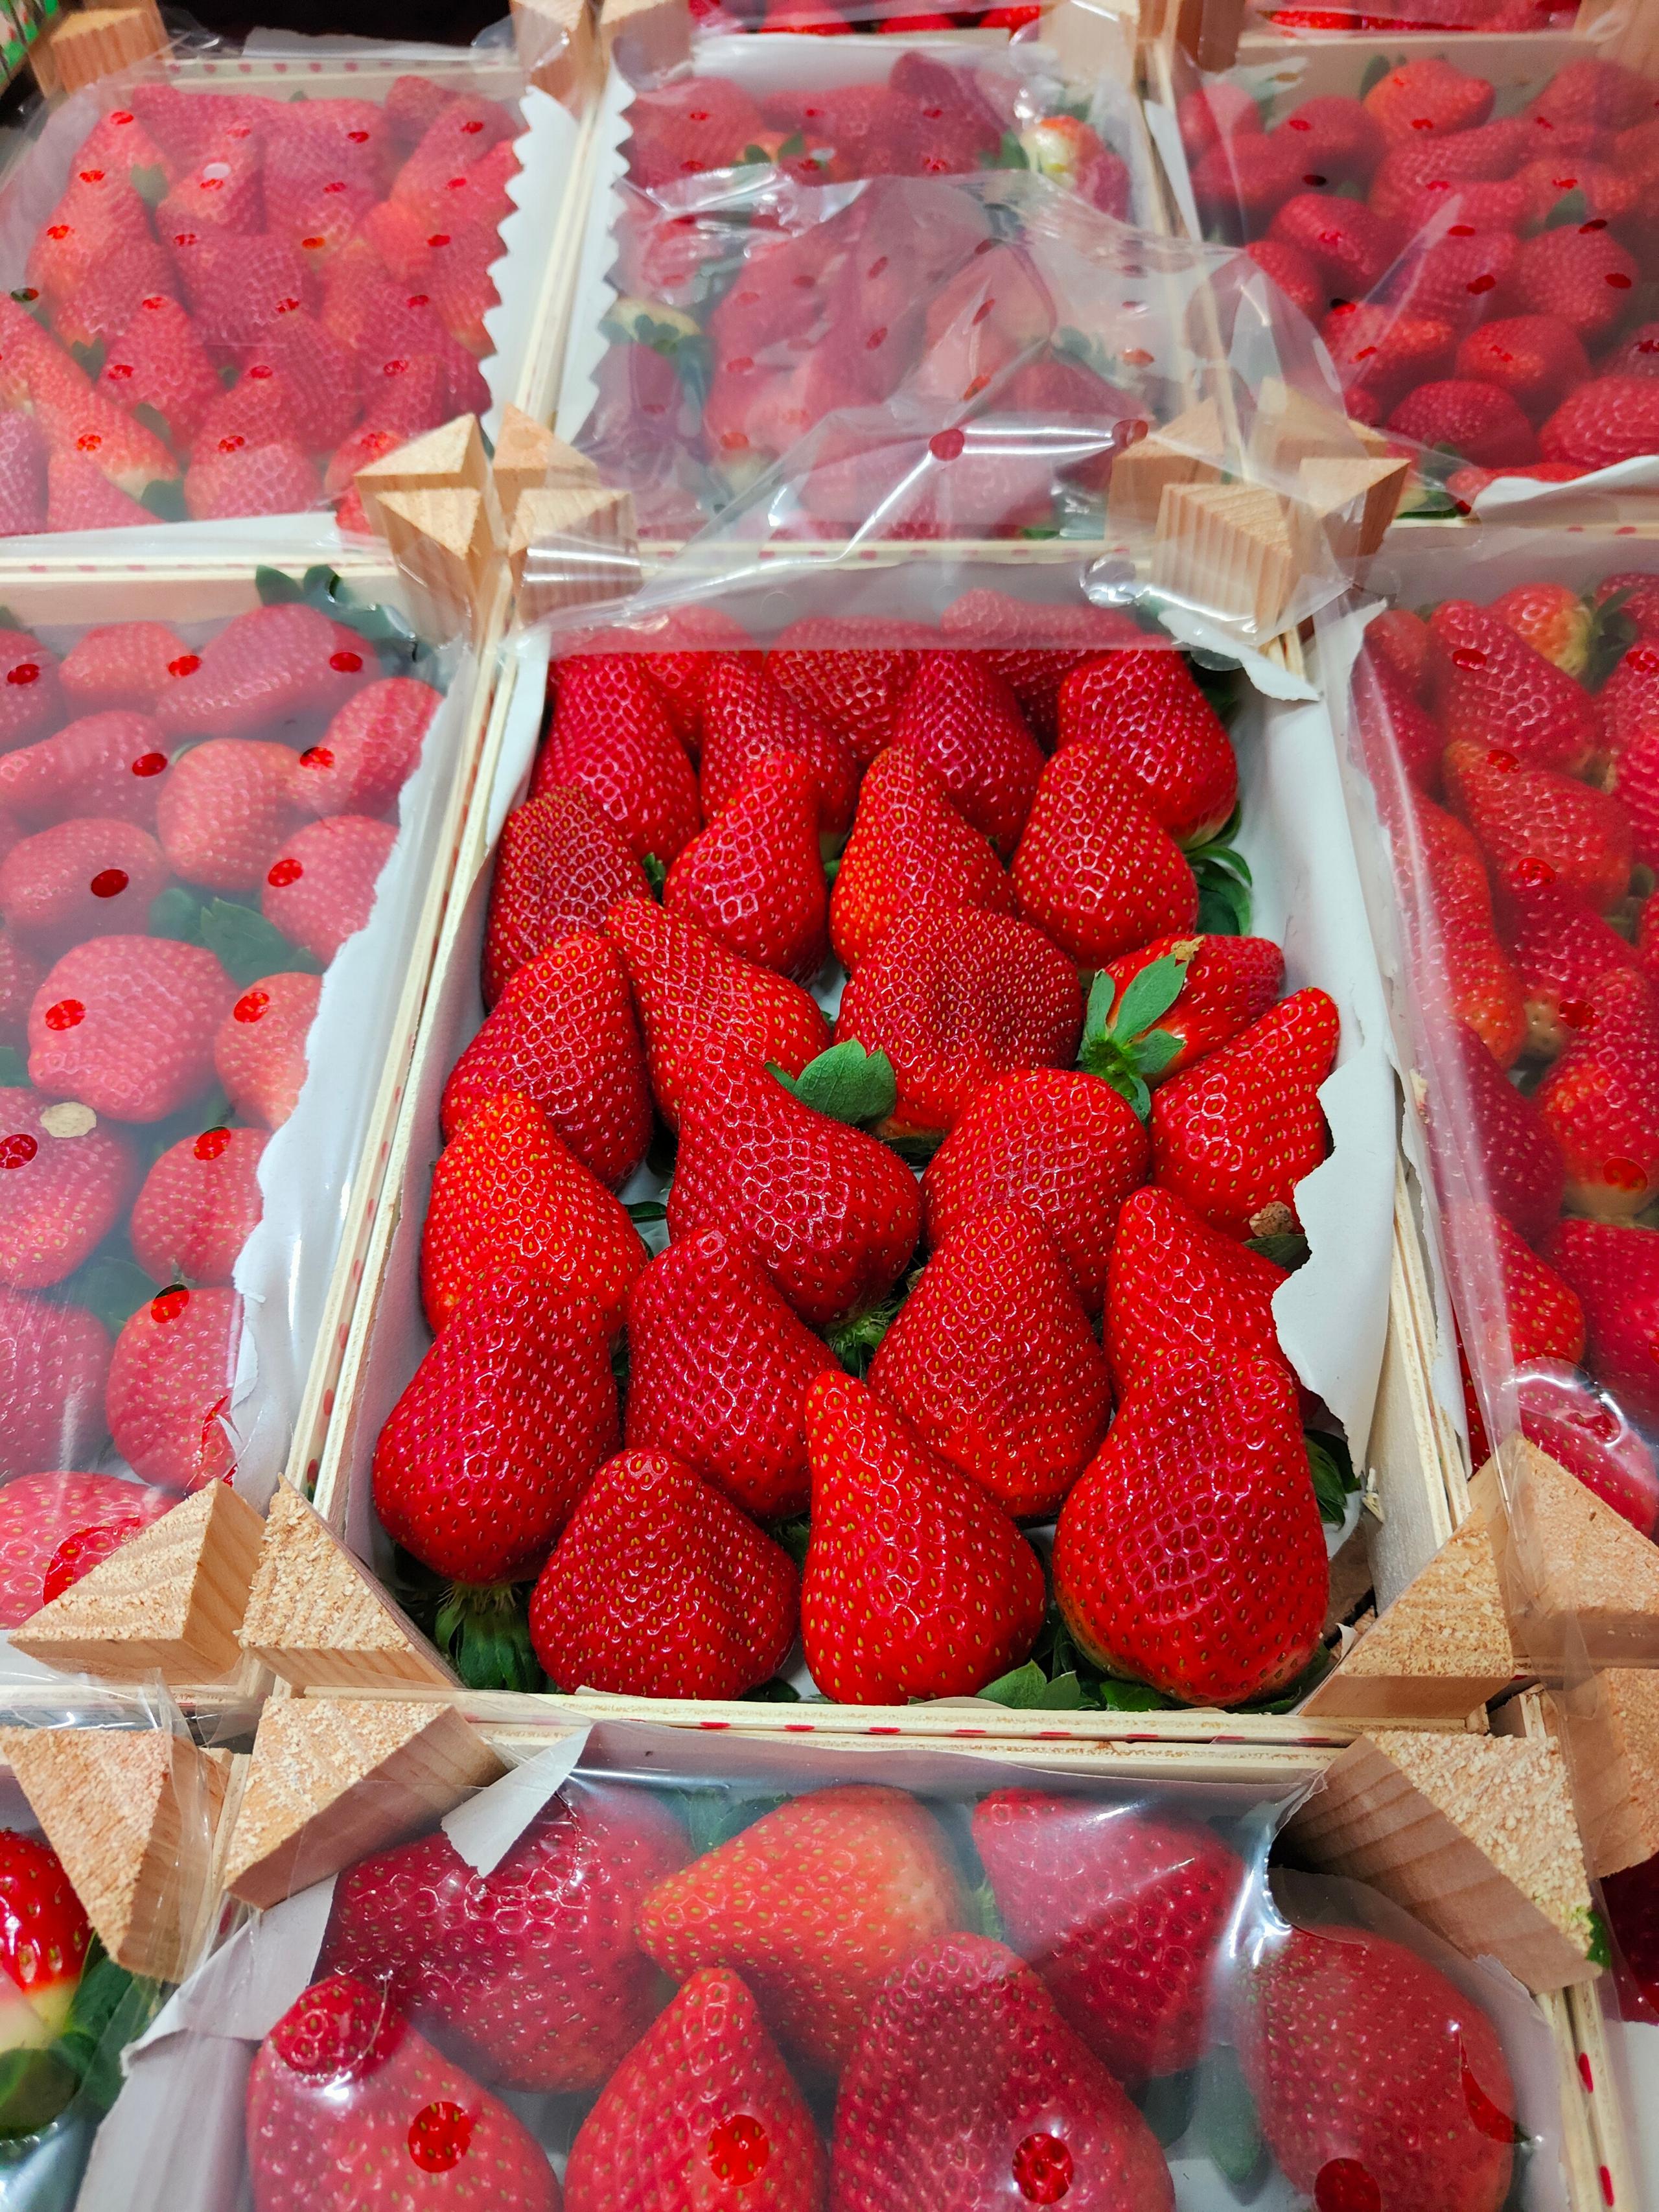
[(20, 976), (814, 1905), (1537, 359), (507, 1193), (81, 877), (965, 2078), (611, 735), (963, 719), (1600, 1103), (273, 669), (237, 288), (1541, 1317), (224, 810), (1489, 687), (1035, 649), (1396, 644), (346, 2102), (1294, 274), (200, 1203), (125, 1025), (102, 304), (1064, 1145), (259, 1048), (1514, 1160), (315, 374), (1581, 273), (1221, 985), (99, 216), (1613, 1267), (834, 1215), (24, 470), (1583, 1431), (1428, 98), (746, 716), (107, 765), (898, 1533), (1636, 355), (1608, 420), (846, 670), (240, 476), (681, 653), (1442, 164), (500, 1430), (718, 1367), (169, 1390), (79, 496), (660, 1588), (31, 702), (1091, 1897), (1370, 2066), (123, 665), (909, 847), (1176, 1286), (563, 1034), (156, 361), (1191, 1554), (44, 1937), (86, 426), (1628, 704), (369, 750), (221, 193), (530, 1973), (1592, 91), (694, 997), (1095, 870), (705, 2088), (1547, 826), (1554, 621), (1241, 182), (1239, 1131), (1635, 785), (993, 1360), (1477, 422), (1217, 109), (561, 865), (1145, 712), (1472, 974), (42, 1515), (1381, 354), (1451, 273), (1338, 135), (119, 142), (54, 1362), (1563, 950), (320, 889), (753, 880), (1350, 245), (64, 1184)]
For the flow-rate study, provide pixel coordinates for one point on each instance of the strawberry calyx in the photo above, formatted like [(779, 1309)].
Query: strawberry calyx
[(846, 1082), (1223, 883), (1121, 1043), (484, 1630)]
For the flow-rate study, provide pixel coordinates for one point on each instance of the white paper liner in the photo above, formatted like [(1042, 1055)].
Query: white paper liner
[(484, 1829)]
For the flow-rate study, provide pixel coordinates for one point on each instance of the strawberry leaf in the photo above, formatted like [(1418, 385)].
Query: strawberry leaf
[(149, 181), (109, 2009), (1286, 1700), (153, 421), (655, 874), (983, 1911), (777, 1692), (1286, 1248), (164, 496), (277, 590), (1600, 1954), (89, 355), (1224, 2117), (35, 2087), (1166, 2106), (247, 946), (1116, 1695), (1334, 1481), (856, 1342), (648, 1209), (1024, 1688), (794, 1536), (1571, 208), (1376, 69), (13, 1068), (1121, 1049), (1612, 635), (1149, 994), (847, 1083), (112, 1288), (482, 1629)]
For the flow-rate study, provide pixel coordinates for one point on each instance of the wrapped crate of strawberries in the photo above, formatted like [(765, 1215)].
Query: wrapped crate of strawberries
[(235, 282), (1464, 227), (230, 802), (1077, 1025), (647, 1969)]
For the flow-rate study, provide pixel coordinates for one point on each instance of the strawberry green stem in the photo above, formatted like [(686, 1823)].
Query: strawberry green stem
[(482, 1630)]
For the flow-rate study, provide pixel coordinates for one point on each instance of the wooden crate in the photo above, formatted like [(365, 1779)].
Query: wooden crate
[(1217, 34)]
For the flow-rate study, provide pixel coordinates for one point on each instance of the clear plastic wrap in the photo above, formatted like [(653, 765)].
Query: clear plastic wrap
[(1467, 229), (267, 770), (893, 1978), (1392, 17)]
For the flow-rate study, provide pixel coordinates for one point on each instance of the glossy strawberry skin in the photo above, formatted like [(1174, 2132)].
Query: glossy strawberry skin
[(125, 1024), (275, 669), (44, 1937), (719, 1367), (992, 1359), (259, 1048), (747, 716), (1095, 870), (960, 716), (1563, 951), (1176, 1286), (113, 763), (1536, 820), (65, 1183), (1541, 1318), (611, 736), (561, 865), (168, 1394), (1599, 1101), (1488, 687), (1514, 1160), (1191, 1554), (39, 1513), (320, 889), (54, 1365), (753, 878), (847, 673), (909, 847), (660, 1588), (1230, 982), (200, 1203), (499, 1431)]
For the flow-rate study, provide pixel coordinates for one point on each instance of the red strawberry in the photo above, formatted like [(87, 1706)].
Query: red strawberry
[(1349, 244), (169, 1390), (1035, 649), (507, 1193), (1242, 183), (898, 1530), (237, 287), (705, 2088), (1614, 1269), (21, 973), (1584, 1431), (1592, 91), (963, 719), (1537, 359), (80, 877), (200, 1203), (1217, 109), (1294, 274), (1176, 1286), (1581, 273), (1338, 135), (224, 810), (1428, 98), (718, 1365), (500, 1428), (611, 735), (847, 672), (1450, 275), (284, 667), (1123, 1913), (240, 477), (100, 308), (833, 1214), (1637, 355), (320, 889), (1477, 422), (681, 653), (1239, 1131), (993, 1360), (54, 1360), (119, 142), (44, 1936), (1191, 1554), (753, 878), (1441, 164), (64, 1184), (747, 715), (1628, 702), (156, 361), (345, 2100), (98, 217), (109, 765), (1381, 354), (79, 496), (1224, 984), (123, 665), (1545, 825), (31, 702), (24, 470), (1145, 711), (1611, 419), (221, 193), (1515, 1160), (660, 1588), (84, 426), (368, 751), (1554, 621), (1541, 1317), (259, 1049), (1489, 687), (967, 2077), (1562, 950), (1600, 1102), (1094, 869), (909, 847), (1365, 2061), (561, 865), (694, 997), (563, 1034), (315, 374), (42, 1515), (125, 1024), (1471, 974)]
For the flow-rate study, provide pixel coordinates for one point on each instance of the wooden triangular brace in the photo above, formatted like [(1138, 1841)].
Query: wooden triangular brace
[(1356, 499), (1581, 1582), (168, 1602), (90, 43), (452, 458), (558, 48), (333, 1778), (1611, 1722), (1236, 551), (315, 1617), (1438, 1652), (572, 545), (528, 456), (1474, 1834), (130, 1812), (646, 38), (1190, 450), (445, 544)]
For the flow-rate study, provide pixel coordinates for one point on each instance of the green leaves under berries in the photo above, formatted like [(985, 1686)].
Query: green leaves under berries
[(246, 945), (847, 1083), (399, 651), (483, 1630), (13, 1068), (1225, 2118), (1334, 1481), (1285, 1247), (655, 874), (109, 2009), (856, 1342), (111, 1287), (1224, 884), (164, 497), (1612, 635), (151, 183), (1376, 69), (1124, 1050)]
